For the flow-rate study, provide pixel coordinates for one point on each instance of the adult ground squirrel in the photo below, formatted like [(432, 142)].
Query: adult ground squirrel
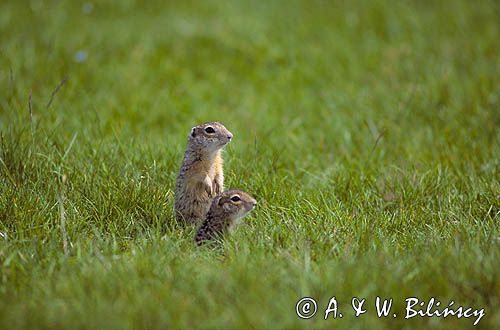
[(201, 176), (224, 214)]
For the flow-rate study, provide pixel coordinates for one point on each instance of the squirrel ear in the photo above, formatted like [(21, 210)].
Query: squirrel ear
[(193, 133), (218, 200)]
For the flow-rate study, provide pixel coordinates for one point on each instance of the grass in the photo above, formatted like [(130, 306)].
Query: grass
[(368, 132)]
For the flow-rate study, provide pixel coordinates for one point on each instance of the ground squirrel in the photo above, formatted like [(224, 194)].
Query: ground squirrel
[(201, 177), (224, 214)]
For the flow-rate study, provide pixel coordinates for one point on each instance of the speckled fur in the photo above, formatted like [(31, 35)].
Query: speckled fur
[(201, 175), (224, 215)]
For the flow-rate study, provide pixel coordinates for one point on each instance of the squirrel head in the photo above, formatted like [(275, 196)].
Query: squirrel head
[(210, 136), (233, 204)]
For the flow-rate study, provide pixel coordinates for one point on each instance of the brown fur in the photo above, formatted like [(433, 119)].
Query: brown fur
[(224, 214), (201, 176)]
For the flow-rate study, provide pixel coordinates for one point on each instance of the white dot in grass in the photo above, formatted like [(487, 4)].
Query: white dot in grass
[(87, 7), (80, 56)]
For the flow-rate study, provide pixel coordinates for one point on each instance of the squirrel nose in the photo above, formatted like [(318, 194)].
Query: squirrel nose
[(230, 136)]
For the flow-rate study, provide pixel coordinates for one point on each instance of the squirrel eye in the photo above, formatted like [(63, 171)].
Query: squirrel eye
[(235, 198), (210, 130)]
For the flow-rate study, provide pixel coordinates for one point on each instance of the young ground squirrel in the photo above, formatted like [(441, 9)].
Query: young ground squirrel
[(224, 214), (201, 177)]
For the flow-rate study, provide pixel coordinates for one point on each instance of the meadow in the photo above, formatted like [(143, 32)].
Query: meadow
[(367, 131)]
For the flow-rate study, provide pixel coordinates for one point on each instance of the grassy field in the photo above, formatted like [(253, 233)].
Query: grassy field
[(368, 132)]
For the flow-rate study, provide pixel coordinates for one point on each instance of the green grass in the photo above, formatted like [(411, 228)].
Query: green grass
[(368, 132)]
